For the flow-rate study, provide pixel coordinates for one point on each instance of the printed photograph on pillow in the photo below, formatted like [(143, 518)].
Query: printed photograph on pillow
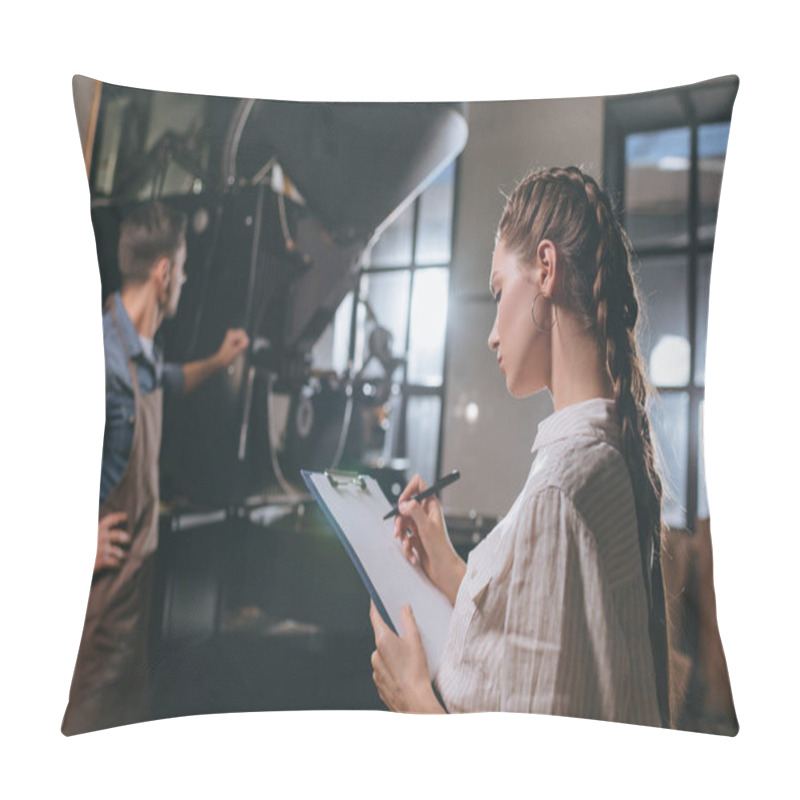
[(379, 294)]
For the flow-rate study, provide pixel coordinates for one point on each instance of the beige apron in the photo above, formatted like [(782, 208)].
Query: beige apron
[(110, 684)]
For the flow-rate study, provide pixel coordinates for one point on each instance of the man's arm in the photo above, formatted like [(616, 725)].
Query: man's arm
[(196, 372)]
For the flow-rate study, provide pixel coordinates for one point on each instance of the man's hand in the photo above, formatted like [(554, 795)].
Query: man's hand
[(236, 341), (111, 542), (196, 372)]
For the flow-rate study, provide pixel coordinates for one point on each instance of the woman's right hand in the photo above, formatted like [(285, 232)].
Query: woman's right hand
[(421, 530)]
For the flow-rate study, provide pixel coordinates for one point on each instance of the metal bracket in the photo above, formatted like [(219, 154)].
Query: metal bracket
[(339, 478)]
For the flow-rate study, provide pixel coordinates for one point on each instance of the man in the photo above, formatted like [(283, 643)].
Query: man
[(109, 686)]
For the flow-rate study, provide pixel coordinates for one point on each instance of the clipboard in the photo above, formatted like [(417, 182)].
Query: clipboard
[(354, 505)]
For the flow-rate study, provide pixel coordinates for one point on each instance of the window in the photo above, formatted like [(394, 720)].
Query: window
[(664, 156), (403, 288)]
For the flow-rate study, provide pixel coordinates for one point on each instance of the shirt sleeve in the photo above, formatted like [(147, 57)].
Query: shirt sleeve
[(172, 379), (549, 664)]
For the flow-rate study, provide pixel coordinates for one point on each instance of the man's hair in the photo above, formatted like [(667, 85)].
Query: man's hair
[(150, 232)]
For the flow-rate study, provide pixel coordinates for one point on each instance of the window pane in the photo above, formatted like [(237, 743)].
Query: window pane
[(175, 181), (172, 114), (393, 249), (341, 334), (387, 294), (669, 414), (664, 334), (712, 144), (657, 186), (422, 436), (428, 326), (359, 350), (435, 220), (108, 146), (702, 498), (331, 350), (703, 284), (394, 408)]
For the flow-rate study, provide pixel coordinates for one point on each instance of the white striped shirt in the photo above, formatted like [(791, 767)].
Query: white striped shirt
[(551, 616)]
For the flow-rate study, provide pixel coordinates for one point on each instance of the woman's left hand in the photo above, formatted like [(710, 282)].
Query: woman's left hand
[(400, 666)]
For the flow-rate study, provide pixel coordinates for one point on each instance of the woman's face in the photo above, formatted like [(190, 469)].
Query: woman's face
[(523, 352)]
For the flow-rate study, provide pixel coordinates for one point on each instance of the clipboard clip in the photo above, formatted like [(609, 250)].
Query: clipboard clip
[(339, 478)]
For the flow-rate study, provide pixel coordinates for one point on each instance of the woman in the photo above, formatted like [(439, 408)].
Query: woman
[(560, 610)]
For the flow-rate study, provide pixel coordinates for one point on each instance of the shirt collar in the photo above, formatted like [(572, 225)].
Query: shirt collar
[(596, 418)]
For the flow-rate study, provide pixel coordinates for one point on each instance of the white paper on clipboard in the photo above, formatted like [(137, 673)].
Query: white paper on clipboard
[(355, 509)]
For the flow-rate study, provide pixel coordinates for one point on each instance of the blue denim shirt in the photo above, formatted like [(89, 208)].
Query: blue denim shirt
[(120, 407)]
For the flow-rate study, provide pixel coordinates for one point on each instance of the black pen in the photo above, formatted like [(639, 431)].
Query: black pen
[(438, 486)]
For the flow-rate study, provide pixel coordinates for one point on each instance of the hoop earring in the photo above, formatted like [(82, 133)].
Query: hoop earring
[(533, 314)]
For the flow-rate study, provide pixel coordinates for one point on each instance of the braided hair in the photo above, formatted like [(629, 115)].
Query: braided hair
[(568, 207)]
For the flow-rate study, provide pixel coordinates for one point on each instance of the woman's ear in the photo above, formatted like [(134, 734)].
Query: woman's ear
[(547, 266)]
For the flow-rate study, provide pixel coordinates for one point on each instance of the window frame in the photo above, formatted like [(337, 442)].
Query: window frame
[(410, 390), (623, 118)]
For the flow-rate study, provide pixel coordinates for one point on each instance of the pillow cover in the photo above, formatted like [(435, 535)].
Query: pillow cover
[(294, 286)]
